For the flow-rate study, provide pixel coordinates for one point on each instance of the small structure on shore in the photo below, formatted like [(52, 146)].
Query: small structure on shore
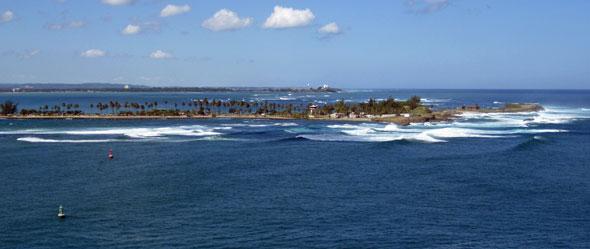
[(353, 115), (337, 115), (312, 110), (60, 213)]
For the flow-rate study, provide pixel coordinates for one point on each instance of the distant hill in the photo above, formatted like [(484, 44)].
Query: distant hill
[(111, 87)]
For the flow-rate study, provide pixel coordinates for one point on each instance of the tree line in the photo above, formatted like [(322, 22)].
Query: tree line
[(206, 106)]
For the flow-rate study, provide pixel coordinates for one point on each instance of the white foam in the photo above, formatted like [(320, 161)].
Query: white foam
[(344, 126), (257, 125), (521, 119), (286, 124), (148, 132), (426, 138), (427, 100), (389, 127), (43, 140), (483, 125), (449, 132), (371, 138), (358, 132), (130, 132), (351, 126)]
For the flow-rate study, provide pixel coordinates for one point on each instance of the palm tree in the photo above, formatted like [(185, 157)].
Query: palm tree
[(8, 107)]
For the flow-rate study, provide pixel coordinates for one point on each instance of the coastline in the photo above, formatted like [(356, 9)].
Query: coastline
[(447, 115)]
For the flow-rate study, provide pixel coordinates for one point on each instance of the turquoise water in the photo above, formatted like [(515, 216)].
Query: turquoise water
[(486, 180)]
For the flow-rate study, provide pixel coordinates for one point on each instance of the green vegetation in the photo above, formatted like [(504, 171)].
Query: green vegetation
[(209, 107), (388, 110), (374, 107)]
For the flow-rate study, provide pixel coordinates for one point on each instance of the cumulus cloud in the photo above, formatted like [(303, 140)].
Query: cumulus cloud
[(7, 16), (131, 29), (226, 19), (159, 54), (330, 29), (118, 2), (427, 6), (93, 53), (282, 17), (172, 10)]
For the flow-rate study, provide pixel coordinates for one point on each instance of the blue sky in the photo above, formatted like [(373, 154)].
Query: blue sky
[(351, 44)]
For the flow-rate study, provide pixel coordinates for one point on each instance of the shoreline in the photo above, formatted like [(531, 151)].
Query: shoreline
[(447, 115)]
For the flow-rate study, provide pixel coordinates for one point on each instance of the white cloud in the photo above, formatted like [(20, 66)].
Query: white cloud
[(226, 19), (118, 2), (288, 18), (7, 16), (172, 10), (131, 30), (330, 29), (159, 54), (93, 53)]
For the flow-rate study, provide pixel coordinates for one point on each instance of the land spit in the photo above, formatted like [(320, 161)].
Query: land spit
[(445, 115)]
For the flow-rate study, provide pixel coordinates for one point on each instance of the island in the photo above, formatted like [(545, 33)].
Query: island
[(402, 112)]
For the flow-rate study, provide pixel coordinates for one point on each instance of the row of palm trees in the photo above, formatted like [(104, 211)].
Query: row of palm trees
[(372, 106), (216, 106), (196, 107)]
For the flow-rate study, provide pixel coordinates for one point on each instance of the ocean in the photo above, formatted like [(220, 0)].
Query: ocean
[(483, 181)]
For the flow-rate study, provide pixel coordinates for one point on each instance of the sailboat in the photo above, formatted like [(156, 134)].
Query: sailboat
[(60, 212)]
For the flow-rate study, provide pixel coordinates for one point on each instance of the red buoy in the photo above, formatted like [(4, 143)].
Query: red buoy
[(111, 154)]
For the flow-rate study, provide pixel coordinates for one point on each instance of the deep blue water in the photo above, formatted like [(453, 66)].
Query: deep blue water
[(484, 181)]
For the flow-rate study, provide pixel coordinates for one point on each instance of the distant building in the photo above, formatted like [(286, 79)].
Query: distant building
[(126, 87)]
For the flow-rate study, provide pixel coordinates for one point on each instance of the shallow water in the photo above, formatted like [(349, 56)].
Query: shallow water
[(486, 180)]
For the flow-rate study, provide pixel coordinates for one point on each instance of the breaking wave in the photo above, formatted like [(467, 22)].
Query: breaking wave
[(44, 140), (468, 125), (427, 100), (120, 134)]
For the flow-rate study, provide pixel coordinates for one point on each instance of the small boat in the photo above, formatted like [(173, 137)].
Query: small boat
[(111, 154), (61, 213)]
